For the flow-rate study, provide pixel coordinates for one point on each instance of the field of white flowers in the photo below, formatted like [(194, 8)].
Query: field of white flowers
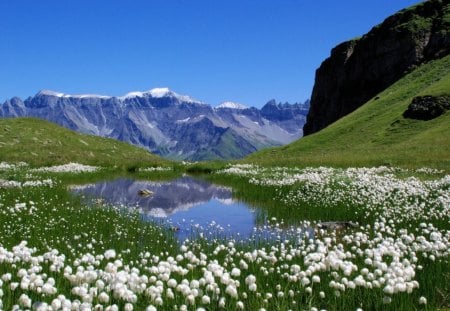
[(57, 254)]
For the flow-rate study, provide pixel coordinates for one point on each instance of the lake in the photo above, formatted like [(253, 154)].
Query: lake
[(187, 204)]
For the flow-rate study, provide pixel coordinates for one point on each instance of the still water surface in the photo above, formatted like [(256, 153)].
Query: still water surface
[(187, 204)]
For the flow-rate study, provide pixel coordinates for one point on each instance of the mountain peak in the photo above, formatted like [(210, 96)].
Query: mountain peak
[(49, 93), (231, 105), (156, 92), (160, 92)]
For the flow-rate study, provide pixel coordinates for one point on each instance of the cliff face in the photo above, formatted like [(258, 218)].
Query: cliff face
[(359, 69)]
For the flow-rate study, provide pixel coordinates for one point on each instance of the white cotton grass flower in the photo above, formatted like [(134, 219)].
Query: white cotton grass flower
[(67, 168), (110, 254), (422, 300), (206, 300), (103, 298), (40, 306), (222, 302), (235, 272), (25, 301)]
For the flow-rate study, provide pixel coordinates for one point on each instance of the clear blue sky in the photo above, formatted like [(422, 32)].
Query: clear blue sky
[(248, 51)]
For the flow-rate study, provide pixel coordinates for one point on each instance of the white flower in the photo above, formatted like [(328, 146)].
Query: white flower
[(231, 290), (206, 300), (103, 297), (110, 253), (25, 301), (222, 302), (235, 272), (190, 299), (305, 281), (250, 279), (388, 289), (422, 300)]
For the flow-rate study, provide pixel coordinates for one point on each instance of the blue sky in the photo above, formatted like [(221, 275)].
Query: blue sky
[(247, 51)]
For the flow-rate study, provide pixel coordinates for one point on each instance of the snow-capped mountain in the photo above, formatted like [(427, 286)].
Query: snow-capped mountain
[(231, 105), (166, 123)]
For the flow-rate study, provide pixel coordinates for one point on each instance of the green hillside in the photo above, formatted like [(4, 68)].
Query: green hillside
[(377, 133), (39, 142)]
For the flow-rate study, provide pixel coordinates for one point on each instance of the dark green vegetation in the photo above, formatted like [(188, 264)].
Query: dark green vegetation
[(41, 143), (377, 133)]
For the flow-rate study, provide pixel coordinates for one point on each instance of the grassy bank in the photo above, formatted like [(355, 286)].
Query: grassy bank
[(41, 143)]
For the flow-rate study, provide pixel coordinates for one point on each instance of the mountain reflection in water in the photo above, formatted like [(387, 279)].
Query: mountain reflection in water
[(185, 202)]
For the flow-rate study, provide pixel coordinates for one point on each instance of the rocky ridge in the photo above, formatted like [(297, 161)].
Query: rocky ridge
[(166, 123)]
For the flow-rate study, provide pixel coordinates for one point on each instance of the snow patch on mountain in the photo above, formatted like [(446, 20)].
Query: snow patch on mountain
[(62, 95), (231, 105), (154, 93)]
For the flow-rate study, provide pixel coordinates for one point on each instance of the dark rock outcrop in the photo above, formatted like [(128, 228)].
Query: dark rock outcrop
[(427, 107), (359, 69)]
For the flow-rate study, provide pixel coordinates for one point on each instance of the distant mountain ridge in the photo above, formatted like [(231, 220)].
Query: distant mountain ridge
[(168, 124)]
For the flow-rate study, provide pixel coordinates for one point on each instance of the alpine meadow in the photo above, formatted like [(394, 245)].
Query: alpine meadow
[(158, 201)]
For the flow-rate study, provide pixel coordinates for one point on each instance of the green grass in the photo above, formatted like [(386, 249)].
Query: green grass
[(41, 143), (376, 133), (55, 219)]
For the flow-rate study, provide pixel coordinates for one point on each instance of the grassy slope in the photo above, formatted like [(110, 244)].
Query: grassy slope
[(39, 142), (377, 133)]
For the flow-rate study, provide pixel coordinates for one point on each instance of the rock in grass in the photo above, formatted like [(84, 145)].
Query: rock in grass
[(427, 107)]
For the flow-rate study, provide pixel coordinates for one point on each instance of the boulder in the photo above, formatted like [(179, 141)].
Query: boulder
[(427, 107)]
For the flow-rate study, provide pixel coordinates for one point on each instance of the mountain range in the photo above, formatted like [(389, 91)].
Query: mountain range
[(168, 124)]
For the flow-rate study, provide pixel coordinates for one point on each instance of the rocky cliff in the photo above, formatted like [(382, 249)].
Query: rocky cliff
[(359, 69)]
